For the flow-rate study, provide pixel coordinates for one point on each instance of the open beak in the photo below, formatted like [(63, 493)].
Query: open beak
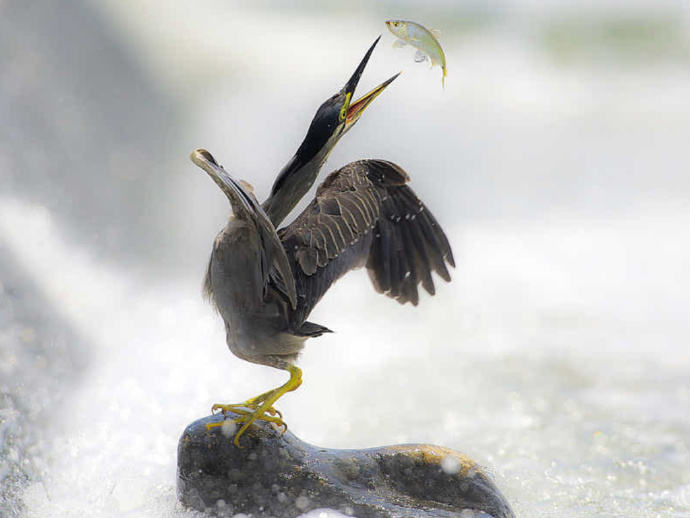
[(356, 108)]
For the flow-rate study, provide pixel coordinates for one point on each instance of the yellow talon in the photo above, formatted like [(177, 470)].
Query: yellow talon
[(260, 407)]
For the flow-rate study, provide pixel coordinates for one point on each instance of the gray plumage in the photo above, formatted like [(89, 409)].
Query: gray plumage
[(265, 283), (363, 215)]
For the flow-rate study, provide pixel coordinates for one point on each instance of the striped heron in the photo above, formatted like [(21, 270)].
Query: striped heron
[(265, 283)]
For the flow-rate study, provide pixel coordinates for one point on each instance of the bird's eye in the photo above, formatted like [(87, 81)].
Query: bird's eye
[(346, 105)]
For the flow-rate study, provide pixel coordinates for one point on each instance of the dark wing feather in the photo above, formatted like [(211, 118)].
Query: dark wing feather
[(365, 215), (273, 260), (418, 247), (331, 236), (207, 287)]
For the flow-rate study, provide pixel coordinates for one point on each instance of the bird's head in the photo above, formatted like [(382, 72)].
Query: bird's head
[(332, 120), (340, 112)]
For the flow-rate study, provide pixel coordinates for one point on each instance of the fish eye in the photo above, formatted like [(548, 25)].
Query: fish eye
[(396, 24)]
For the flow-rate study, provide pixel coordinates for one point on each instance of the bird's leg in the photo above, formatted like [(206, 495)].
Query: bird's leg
[(261, 406), (253, 403)]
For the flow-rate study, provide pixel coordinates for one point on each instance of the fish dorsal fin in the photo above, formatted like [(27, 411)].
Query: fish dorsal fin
[(435, 33), (397, 44), (420, 56)]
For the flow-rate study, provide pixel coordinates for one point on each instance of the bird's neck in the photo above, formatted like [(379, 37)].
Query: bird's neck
[(293, 182)]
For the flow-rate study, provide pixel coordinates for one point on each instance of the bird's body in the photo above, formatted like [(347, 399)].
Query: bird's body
[(254, 314), (265, 283), (362, 215)]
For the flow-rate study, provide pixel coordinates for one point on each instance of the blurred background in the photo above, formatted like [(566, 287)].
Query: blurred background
[(556, 159)]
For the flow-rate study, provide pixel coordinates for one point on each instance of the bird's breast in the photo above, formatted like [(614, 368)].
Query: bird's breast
[(256, 322)]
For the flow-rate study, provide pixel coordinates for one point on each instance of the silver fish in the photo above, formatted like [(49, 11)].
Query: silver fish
[(423, 39)]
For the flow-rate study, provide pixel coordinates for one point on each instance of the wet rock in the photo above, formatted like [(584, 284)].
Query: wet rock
[(281, 476)]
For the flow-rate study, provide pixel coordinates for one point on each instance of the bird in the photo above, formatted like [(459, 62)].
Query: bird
[(265, 282)]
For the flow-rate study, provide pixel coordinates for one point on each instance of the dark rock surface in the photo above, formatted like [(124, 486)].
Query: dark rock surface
[(281, 476)]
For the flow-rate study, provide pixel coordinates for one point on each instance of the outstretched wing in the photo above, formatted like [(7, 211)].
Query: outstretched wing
[(273, 261), (365, 215)]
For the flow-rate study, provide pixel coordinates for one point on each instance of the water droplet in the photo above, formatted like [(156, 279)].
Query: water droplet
[(228, 428), (302, 503), (451, 465)]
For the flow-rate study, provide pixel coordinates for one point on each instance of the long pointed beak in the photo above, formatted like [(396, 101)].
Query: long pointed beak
[(352, 83), (356, 108)]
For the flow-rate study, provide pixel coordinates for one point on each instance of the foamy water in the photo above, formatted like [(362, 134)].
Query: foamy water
[(541, 360), (557, 358)]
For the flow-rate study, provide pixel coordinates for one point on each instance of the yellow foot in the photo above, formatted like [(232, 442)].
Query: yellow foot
[(247, 415), (260, 407), (244, 408)]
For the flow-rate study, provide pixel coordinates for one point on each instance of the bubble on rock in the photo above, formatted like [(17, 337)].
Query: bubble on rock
[(228, 428), (302, 503), (451, 465)]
